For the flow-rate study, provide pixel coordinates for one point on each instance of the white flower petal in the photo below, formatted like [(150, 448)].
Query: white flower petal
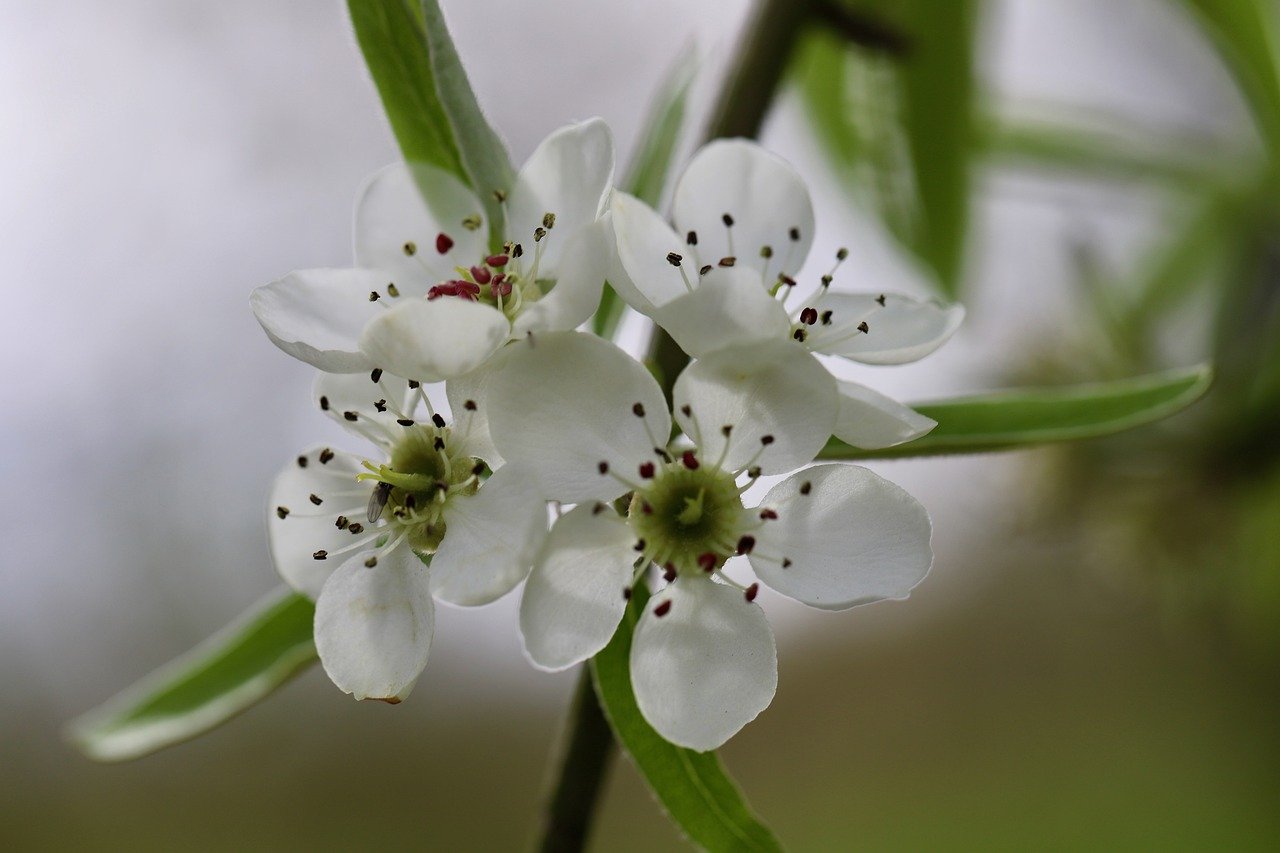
[(468, 401), (760, 191), (431, 340), (728, 308), (307, 527), (644, 242), (853, 539), (580, 280), (563, 402), (399, 216), (902, 330), (339, 395), (317, 316), (569, 175), (871, 420), (573, 600), (705, 668), (373, 626), (768, 388), (490, 539)]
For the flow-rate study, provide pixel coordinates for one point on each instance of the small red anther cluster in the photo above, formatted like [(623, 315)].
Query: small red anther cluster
[(464, 289)]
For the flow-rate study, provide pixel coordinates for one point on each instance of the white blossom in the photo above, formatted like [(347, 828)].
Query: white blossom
[(355, 533), (427, 298), (592, 425), (724, 276)]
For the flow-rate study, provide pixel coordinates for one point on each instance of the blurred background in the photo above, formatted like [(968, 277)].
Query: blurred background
[(1092, 663)]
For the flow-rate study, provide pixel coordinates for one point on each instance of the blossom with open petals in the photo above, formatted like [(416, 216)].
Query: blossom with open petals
[(725, 276), (592, 425), (351, 531), (427, 298)]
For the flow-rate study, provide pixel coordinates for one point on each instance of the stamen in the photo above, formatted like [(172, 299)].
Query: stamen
[(752, 592), (662, 609), (443, 243)]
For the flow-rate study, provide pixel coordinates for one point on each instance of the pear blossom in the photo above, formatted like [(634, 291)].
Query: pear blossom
[(593, 425), (427, 298), (725, 276), (355, 532)]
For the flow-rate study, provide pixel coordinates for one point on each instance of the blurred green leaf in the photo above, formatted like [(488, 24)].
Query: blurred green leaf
[(206, 687), (1017, 419), (1247, 33), (692, 786), (651, 165), (394, 43), (938, 93), (1113, 151), (483, 154)]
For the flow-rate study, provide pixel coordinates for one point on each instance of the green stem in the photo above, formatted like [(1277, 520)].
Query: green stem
[(589, 748), (748, 91)]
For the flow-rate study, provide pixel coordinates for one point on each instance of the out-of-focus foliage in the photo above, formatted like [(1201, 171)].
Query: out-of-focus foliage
[(1182, 503)]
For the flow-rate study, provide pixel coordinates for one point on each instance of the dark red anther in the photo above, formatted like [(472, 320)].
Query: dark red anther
[(669, 572), (646, 470), (746, 544), (497, 260), (707, 562), (787, 280), (752, 592), (626, 593), (690, 460), (662, 609), (768, 514), (809, 316), (443, 243), (481, 275)]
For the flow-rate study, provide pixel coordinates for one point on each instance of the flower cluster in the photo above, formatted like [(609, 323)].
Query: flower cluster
[(541, 414)]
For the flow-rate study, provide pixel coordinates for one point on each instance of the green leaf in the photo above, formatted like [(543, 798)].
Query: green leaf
[(651, 165), (1012, 420), (483, 154), (693, 787), (938, 92), (218, 679), (394, 44)]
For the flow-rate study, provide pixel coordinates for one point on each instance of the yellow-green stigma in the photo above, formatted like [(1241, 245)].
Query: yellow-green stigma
[(414, 486), (690, 517)]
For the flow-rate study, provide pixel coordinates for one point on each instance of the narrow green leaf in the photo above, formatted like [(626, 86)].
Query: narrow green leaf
[(483, 154), (938, 93), (394, 44), (650, 167), (209, 685), (1012, 420), (693, 787)]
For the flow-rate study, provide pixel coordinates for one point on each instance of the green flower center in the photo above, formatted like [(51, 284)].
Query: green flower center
[(417, 482), (689, 520)]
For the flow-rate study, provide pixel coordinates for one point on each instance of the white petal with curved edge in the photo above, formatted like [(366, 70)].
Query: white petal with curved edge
[(409, 206), (317, 316), (431, 340), (707, 667), (306, 527), (769, 388), (902, 330), (490, 539), (579, 283), (871, 420), (574, 599), (373, 626), (854, 539), (563, 402), (471, 425), (728, 308), (765, 197), (569, 174), (339, 395), (644, 241)]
